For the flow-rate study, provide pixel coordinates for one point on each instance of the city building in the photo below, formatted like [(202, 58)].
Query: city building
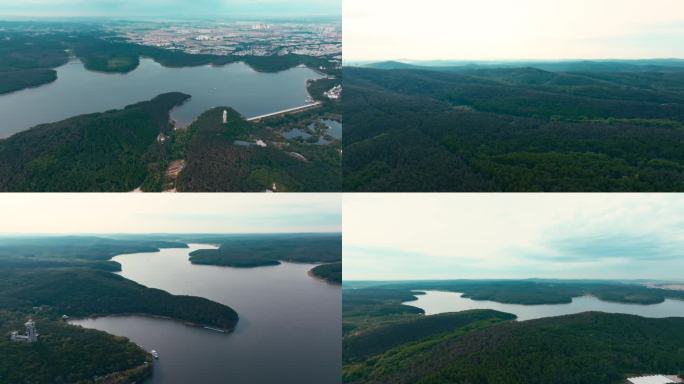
[(31, 335)]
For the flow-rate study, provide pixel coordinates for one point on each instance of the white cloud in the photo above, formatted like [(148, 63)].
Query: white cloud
[(147, 213), (512, 29), (516, 235)]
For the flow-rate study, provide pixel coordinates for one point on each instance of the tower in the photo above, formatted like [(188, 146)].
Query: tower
[(225, 116), (31, 331)]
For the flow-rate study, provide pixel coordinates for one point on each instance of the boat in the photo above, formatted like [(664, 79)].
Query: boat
[(155, 354)]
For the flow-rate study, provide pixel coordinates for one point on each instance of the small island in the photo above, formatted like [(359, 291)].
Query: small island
[(250, 251)]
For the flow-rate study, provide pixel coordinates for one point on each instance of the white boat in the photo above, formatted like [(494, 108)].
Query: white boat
[(155, 354)]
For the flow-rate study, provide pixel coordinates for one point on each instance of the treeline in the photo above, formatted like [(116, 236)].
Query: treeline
[(513, 129), (27, 60), (329, 272), (539, 292), (261, 250), (73, 251), (101, 152)]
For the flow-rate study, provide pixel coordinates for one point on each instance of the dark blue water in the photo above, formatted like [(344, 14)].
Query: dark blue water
[(289, 329)]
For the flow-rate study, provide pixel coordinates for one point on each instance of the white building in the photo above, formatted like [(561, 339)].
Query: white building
[(225, 116), (261, 143), (31, 335), (655, 379)]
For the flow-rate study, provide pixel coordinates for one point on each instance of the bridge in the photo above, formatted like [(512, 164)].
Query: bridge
[(286, 111)]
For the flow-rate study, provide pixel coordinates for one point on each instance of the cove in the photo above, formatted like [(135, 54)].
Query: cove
[(79, 91), (289, 329), (435, 302)]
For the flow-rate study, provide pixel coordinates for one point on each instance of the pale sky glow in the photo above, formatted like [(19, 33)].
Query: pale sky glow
[(453, 236), (512, 29), (169, 213), (160, 9)]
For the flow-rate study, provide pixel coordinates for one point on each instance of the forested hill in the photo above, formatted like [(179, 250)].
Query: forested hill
[(262, 250), (46, 277), (387, 342), (331, 273), (80, 293), (223, 158), (111, 151), (68, 354), (588, 348), (513, 129), (645, 65)]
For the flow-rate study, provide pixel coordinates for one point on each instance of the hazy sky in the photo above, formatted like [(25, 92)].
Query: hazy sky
[(169, 8), (512, 29), (450, 236), (155, 213)]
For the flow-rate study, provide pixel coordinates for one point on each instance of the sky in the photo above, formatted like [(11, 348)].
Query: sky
[(169, 213), (161, 9), (476, 236), (512, 29)]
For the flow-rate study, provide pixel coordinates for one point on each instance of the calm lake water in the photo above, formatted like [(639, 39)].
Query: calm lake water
[(289, 329), (434, 302), (78, 91)]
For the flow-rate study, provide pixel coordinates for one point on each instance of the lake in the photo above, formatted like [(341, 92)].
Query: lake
[(434, 302), (79, 91), (289, 329)]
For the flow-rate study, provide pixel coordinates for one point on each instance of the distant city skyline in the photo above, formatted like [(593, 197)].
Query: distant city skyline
[(105, 213), (495, 236), (162, 9), (501, 30)]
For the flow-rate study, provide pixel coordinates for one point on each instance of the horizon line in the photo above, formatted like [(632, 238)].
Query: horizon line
[(409, 61), (5, 234)]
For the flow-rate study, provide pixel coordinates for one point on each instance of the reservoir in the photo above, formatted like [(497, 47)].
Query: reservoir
[(434, 302), (78, 91), (289, 329)]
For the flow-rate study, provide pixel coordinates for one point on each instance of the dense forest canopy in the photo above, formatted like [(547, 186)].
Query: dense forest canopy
[(46, 277), (329, 272), (384, 342), (222, 157), (477, 128), (80, 293), (67, 354), (261, 250), (101, 152)]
